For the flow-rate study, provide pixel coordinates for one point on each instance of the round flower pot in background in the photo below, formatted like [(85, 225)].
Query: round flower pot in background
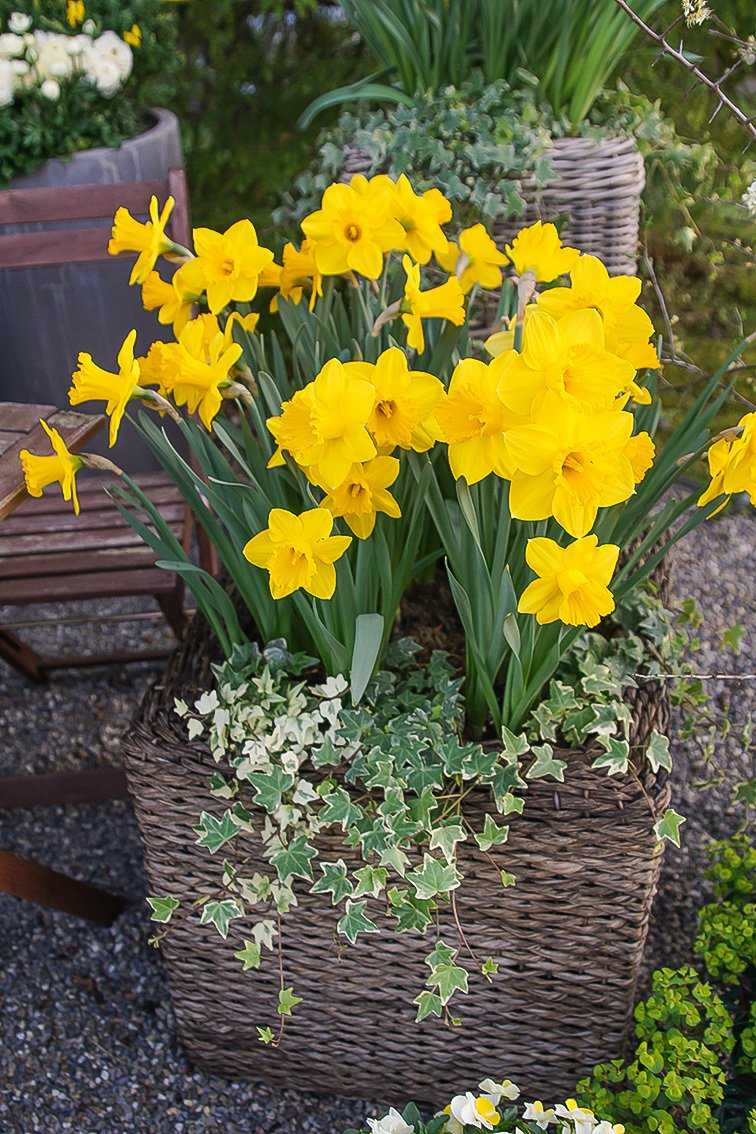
[(49, 314), (568, 938), (596, 190)]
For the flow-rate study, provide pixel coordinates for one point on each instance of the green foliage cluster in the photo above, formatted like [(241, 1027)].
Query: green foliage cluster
[(34, 128), (694, 1064)]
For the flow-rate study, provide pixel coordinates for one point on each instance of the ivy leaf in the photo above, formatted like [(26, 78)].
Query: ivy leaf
[(328, 753), (668, 827), (334, 881), (250, 956), (546, 765), (294, 860), (270, 787), (509, 803), (489, 968), (507, 879), (410, 912), (370, 880), (514, 746), (446, 839), (287, 1001), (338, 808), (448, 978), (264, 932), (657, 752), (265, 1035), (221, 914), (428, 1004), (733, 637), (163, 908), (396, 859), (214, 832), (616, 757), (354, 922), (492, 835), (433, 878)]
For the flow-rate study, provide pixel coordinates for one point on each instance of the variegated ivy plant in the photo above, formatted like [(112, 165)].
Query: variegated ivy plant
[(387, 769)]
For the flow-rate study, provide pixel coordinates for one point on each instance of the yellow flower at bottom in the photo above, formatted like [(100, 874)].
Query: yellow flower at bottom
[(58, 467), (444, 302), (364, 493), (573, 582), (405, 401), (90, 383), (539, 250), (149, 239), (298, 552), (133, 36)]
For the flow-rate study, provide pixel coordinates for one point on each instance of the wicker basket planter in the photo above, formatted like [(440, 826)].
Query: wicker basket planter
[(597, 186), (568, 938)]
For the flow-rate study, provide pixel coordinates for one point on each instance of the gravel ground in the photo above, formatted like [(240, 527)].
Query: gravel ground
[(86, 1030)]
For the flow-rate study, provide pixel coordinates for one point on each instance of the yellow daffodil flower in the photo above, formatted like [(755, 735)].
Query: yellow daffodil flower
[(640, 450), (59, 467), (473, 421), (536, 1111), (467, 1110), (324, 425), (174, 298), (420, 216), (569, 462), (231, 262), (148, 239), (352, 229), (572, 587), (443, 302), (205, 358), (474, 260), (566, 357), (364, 493), (592, 286), (247, 322), (160, 366), (732, 464), (133, 36), (298, 552), (539, 251), (627, 335), (75, 13), (90, 383), (405, 401), (299, 271)]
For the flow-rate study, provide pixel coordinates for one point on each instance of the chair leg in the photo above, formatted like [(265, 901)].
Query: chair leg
[(172, 607), (34, 883), (21, 656)]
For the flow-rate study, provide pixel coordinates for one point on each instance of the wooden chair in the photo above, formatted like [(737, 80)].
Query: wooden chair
[(48, 555)]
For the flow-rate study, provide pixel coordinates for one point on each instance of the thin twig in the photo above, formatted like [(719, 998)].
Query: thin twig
[(712, 84)]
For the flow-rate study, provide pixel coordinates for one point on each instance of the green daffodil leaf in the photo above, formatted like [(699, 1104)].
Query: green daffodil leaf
[(354, 922)]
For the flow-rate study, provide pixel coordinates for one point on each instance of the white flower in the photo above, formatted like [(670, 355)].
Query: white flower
[(19, 66), (7, 82), (749, 198), (331, 687), (538, 1113), (50, 89), (53, 60), (391, 1123), (110, 46), (609, 1128), (469, 1111), (10, 45), (19, 22), (498, 1091), (584, 1120)]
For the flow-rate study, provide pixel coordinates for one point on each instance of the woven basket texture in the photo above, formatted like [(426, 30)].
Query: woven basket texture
[(597, 187), (568, 938)]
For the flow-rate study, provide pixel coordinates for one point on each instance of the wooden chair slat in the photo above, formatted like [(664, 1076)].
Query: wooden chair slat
[(41, 542), (42, 565), (54, 246), (74, 428), (105, 518), (77, 202), (91, 498), (20, 417), (92, 585)]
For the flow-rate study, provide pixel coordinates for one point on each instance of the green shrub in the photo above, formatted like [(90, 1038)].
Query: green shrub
[(726, 941), (66, 94)]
